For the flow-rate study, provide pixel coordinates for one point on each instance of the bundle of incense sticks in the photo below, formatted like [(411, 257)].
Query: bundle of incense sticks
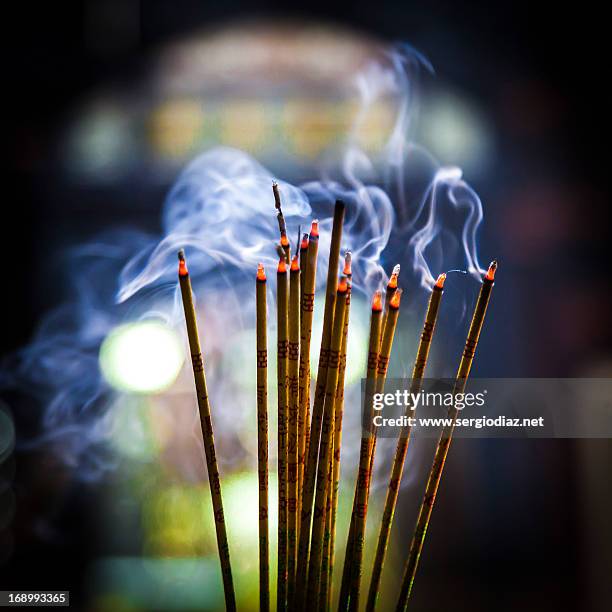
[(309, 448)]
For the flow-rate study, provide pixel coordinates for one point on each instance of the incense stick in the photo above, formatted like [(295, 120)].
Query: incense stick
[(367, 456), (308, 299), (395, 479), (262, 438), (197, 363), (303, 261), (389, 293), (282, 295), (330, 539), (324, 580), (435, 474), (371, 367), (317, 409), (284, 241), (293, 432), (327, 433)]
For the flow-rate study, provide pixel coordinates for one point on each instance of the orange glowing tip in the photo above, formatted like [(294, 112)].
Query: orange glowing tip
[(440, 281), (395, 300), (261, 273), (314, 229), (377, 301), (348, 258), (490, 275), (304, 244), (182, 270), (284, 240), (295, 266), (343, 285), (392, 281)]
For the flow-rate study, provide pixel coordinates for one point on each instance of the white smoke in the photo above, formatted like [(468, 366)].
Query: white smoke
[(400, 207)]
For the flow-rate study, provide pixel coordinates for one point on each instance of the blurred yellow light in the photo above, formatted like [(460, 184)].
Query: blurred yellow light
[(243, 124), (310, 126), (175, 522), (143, 357), (176, 126)]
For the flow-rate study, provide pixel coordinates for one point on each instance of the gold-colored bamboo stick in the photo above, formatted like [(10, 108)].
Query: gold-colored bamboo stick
[(435, 474), (262, 438), (317, 409), (303, 261), (308, 300), (293, 429), (389, 293), (330, 538), (324, 585), (371, 368), (282, 314), (284, 240), (327, 433), (367, 459), (397, 468), (197, 363)]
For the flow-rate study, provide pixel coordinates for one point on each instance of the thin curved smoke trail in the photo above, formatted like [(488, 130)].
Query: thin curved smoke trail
[(221, 211)]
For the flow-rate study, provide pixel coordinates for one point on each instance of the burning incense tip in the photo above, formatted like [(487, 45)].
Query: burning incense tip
[(304, 244), (440, 281), (343, 285), (276, 192), (284, 240), (182, 270), (314, 229), (395, 300), (393, 280), (261, 273), (348, 258), (295, 266), (377, 301), (490, 275)]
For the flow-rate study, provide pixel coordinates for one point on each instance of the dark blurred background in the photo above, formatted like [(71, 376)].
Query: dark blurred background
[(528, 80)]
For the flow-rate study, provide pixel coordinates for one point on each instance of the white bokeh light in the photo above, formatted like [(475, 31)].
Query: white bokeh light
[(143, 357)]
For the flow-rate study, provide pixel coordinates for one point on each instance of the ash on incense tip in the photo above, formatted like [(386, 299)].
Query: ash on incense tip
[(276, 192), (348, 258), (490, 275), (314, 229), (393, 280)]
